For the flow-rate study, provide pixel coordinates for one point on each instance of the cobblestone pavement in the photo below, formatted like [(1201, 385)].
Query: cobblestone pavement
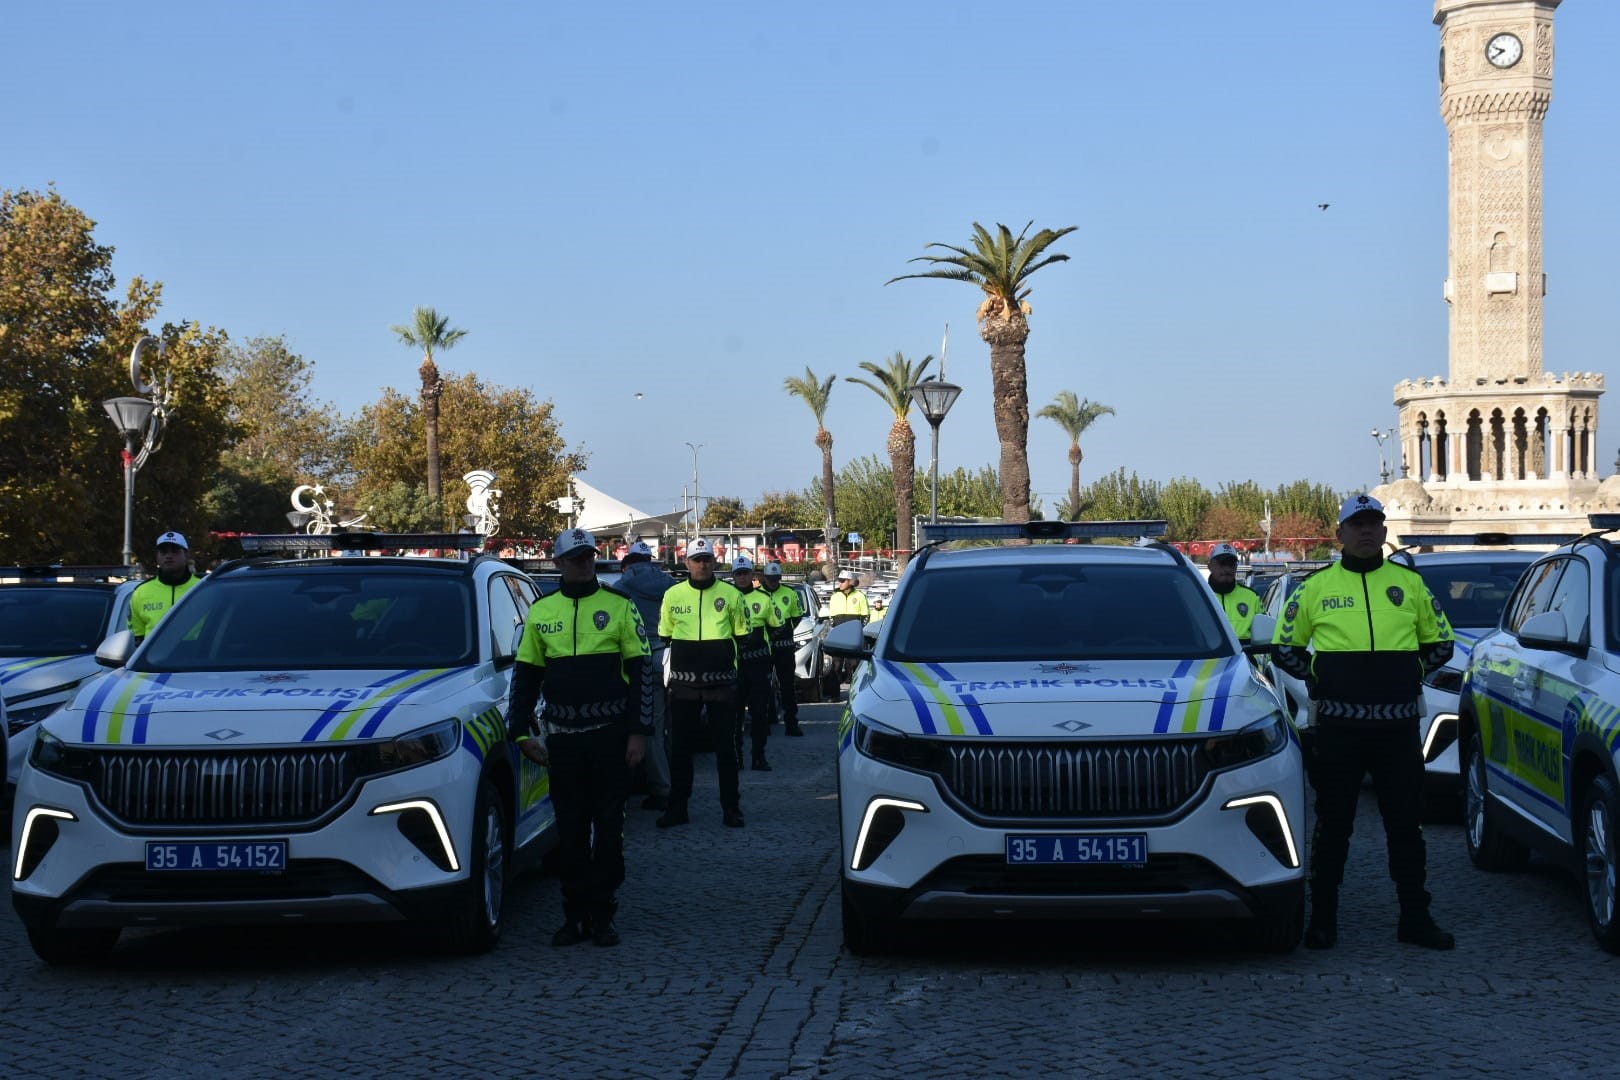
[(732, 966)]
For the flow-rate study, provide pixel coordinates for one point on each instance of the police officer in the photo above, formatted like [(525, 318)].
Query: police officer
[(754, 661), (586, 644), (152, 600), (701, 619), (783, 647), (1240, 602), (1377, 631), (848, 601), (646, 584)]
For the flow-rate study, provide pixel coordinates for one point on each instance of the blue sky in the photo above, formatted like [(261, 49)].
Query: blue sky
[(691, 202)]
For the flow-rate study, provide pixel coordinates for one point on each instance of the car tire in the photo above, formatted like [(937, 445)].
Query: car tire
[(479, 912), (1599, 853), (864, 935), (1279, 934), (1489, 848), (72, 948)]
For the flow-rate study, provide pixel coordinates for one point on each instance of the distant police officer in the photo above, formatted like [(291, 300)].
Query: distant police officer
[(783, 647), (586, 644), (153, 599), (848, 601), (646, 584), (754, 661), (701, 619), (1377, 631), (1240, 602)]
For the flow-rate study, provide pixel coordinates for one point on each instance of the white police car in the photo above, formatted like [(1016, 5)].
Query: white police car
[(1067, 732), (1540, 723), (51, 620), (299, 740)]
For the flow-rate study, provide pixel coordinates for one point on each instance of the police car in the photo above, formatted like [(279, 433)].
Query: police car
[(1068, 732), (299, 740), (1540, 723), (51, 620)]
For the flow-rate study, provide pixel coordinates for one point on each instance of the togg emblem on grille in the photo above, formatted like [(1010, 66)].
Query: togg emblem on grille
[(222, 734), (1072, 725)]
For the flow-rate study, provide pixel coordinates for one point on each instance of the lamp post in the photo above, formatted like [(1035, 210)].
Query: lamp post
[(697, 506), (140, 420), (1381, 437), (935, 398)]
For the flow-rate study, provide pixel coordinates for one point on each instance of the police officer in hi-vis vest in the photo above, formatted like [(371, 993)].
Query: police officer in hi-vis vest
[(783, 647), (754, 661), (152, 600), (1377, 630), (1240, 602)]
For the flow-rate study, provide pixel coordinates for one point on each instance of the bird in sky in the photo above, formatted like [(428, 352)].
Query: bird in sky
[(1321, 206), (638, 397)]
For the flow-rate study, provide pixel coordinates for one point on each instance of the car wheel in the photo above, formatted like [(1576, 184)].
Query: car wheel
[(1278, 933), (475, 924), (72, 948), (864, 935), (1600, 813), (1489, 848)]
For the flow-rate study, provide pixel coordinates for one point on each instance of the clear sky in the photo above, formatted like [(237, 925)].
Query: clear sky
[(692, 201)]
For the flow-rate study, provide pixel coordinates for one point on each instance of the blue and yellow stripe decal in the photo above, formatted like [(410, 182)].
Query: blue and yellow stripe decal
[(110, 704), (483, 732), (23, 667), (393, 690), (846, 729), (1186, 713), (921, 683)]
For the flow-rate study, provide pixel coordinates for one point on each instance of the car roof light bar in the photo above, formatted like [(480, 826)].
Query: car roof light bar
[(1041, 530), (1606, 522), (264, 544), (1493, 539)]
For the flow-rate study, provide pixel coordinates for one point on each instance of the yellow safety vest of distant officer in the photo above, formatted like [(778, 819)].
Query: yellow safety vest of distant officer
[(848, 602), (152, 600), (783, 646), (754, 661), (1240, 602)]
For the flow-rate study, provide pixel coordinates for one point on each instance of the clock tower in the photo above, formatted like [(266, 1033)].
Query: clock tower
[(1501, 444)]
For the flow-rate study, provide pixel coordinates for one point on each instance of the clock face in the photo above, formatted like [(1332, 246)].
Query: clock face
[(1504, 50)]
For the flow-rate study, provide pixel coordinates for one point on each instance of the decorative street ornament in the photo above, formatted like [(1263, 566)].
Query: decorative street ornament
[(140, 420), (314, 515), (484, 502)]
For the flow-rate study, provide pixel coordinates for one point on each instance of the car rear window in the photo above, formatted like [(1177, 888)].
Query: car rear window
[(1056, 612), (52, 620), (275, 620), (1473, 594)]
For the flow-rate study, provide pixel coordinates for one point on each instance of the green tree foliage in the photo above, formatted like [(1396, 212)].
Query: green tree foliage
[(403, 507), (1245, 496), (723, 512), (64, 343), (1117, 497), (430, 332), (506, 431), (1225, 522), (1317, 502), (965, 493), (1184, 502), (866, 496), (785, 509)]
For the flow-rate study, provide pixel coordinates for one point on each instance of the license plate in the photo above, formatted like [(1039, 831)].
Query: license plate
[(261, 856), (1129, 849)]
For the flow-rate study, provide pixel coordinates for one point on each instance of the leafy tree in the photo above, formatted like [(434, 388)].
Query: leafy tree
[(1184, 502), (815, 391), (1074, 415), (402, 507), (1316, 501), (723, 512), (506, 431), (430, 332), (892, 381), (1294, 526), (784, 509), (866, 496), (971, 494), (1246, 496), (1116, 497), (1223, 521), (1001, 266)]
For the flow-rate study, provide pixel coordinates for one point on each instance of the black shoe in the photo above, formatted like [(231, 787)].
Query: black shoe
[(1321, 937), (1422, 931), (671, 817), (760, 764), (605, 934), (794, 730), (655, 802), (571, 933), (733, 819)]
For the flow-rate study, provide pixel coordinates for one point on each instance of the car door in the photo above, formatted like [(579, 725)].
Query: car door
[(509, 598), (1559, 691)]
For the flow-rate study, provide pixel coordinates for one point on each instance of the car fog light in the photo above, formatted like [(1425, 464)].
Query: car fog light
[(39, 832), (421, 823), (882, 823), (1269, 822)]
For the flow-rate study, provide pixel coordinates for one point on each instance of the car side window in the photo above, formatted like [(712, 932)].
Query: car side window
[(1573, 597), (504, 616), (1534, 595)]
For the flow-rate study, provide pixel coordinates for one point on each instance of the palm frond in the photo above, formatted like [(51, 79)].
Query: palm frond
[(814, 390), (894, 379)]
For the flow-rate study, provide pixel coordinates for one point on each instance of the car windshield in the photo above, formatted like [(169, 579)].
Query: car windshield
[(1052, 611), (1472, 594), (277, 618), (52, 620)]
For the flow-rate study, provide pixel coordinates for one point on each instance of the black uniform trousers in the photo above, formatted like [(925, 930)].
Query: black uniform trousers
[(754, 697), (1343, 755), (717, 718), (589, 782), (782, 655)]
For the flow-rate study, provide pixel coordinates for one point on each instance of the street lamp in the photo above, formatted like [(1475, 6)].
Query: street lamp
[(1381, 437), (935, 398), (140, 420), (697, 506)]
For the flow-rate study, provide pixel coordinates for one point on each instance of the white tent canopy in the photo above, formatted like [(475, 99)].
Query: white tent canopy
[(604, 515)]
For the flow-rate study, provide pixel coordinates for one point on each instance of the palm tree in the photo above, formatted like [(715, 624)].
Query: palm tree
[(430, 333), (1074, 416), (893, 382), (1001, 265), (815, 391)]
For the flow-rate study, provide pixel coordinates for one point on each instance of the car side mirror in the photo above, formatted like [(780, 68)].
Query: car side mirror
[(517, 638), (116, 650), (848, 640), (1548, 630), (1263, 630)]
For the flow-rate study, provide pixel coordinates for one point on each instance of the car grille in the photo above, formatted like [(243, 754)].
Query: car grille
[(222, 787), (1105, 780)]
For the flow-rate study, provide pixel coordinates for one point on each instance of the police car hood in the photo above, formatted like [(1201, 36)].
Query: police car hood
[(36, 676), (199, 708), (1068, 699)]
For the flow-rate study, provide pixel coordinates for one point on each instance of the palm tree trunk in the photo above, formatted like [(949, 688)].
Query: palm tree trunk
[(432, 388), (1074, 480), (903, 459), (1009, 386), (824, 440)]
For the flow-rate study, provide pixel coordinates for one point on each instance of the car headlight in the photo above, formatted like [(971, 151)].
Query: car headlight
[(883, 743), (33, 714), (1258, 740), (1447, 679), (52, 755), (409, 750)]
